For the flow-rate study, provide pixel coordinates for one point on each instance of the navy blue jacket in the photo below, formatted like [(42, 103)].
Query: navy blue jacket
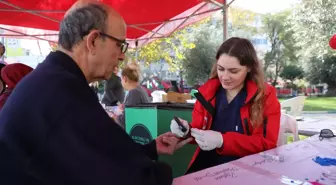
[(54, 131)]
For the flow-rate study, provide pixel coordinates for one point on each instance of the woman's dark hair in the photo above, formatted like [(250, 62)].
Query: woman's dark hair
[(244, 51)]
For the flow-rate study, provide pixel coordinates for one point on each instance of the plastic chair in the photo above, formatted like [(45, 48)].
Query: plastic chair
[(287, 125), (294, 106)]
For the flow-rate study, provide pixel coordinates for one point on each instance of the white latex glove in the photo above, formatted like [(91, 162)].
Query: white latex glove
[(207, 139), (175, 128)]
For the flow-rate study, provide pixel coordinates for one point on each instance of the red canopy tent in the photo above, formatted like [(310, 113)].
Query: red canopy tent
[(146, 19)]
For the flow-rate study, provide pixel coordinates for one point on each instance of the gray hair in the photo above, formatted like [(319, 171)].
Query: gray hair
[(79, 23)]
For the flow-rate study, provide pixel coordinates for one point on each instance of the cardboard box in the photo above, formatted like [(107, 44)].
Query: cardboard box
[(175, 97)]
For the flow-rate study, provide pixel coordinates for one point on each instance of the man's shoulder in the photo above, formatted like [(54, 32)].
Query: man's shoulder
[(45, 91), (47, 76), (47, 85)]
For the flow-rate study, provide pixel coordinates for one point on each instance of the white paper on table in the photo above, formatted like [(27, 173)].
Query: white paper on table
[(225, 174), (298, 167), (298, 161)]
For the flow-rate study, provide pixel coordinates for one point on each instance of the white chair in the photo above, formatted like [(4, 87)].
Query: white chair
[(294, 106), (287, 125)]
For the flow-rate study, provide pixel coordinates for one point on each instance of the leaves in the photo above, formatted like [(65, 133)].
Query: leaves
[(170, 49), (323, 70), (283, 50), (199, 60), (313, 24), (292, 72), (242, 22)]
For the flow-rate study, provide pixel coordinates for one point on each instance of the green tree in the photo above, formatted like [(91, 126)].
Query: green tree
[(323, 70), (313, 23), (241, 21), (171, 48), (199, 60), (281, 39), (292, 73)]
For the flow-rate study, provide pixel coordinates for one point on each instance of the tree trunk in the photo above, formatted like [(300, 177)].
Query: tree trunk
[(181, 81), (274, 82), (266, 64), (276, 73)]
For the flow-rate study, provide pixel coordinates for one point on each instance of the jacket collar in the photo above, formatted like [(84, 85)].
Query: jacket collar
[(66, 62), (209, 89)]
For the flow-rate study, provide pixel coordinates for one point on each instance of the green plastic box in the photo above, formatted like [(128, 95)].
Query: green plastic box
[(146, 122)]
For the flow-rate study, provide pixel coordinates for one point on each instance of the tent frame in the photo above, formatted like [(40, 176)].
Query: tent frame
[(224, 7)]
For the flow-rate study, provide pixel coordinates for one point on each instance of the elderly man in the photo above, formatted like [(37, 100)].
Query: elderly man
[(53, 130)]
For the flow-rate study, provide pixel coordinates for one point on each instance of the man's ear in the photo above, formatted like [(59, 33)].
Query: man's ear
[(91, 41)]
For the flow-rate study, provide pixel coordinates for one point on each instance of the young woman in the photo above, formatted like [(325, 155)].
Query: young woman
[(237, 113), (130, 76)]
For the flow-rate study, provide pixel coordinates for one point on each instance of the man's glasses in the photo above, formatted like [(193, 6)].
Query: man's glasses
[(123, 43), (326, 133)]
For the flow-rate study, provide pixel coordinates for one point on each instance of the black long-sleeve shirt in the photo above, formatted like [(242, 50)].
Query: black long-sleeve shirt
[(113, 91)]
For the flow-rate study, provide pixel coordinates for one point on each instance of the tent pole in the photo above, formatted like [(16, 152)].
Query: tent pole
[(225, 20), (136, 51), (226, 6)]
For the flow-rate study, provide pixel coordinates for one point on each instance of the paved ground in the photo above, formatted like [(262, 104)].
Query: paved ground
[(313, 123)]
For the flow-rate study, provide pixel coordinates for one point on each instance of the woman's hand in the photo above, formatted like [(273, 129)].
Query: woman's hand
[(175, 128), (207, 139)]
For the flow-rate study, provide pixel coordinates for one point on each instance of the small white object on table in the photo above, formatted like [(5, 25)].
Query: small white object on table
[(191, 101)]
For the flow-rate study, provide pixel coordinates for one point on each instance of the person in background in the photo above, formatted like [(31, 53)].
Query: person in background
[(12, 75), (174, 87), (114, 91), (53, 129), (237, 113), (2, 52), (130, 77), (2, 84), (94, 87)]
